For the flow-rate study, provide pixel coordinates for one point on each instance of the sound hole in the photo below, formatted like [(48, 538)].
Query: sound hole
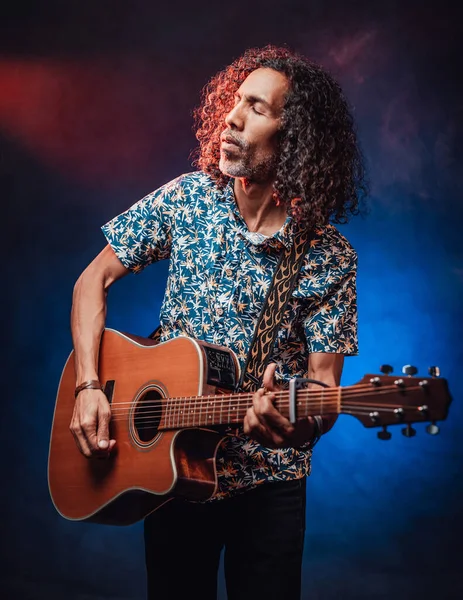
[(147, 415)]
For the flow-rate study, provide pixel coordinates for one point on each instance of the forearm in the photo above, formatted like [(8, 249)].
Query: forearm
[(88, 315), (326, 368), (327, 420)]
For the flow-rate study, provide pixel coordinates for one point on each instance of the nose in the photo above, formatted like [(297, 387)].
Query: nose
[(235, 119)]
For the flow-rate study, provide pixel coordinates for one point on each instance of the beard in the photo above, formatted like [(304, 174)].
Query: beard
[(243, 162)]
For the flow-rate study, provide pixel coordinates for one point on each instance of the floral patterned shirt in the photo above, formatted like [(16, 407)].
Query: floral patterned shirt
[(219, 274)]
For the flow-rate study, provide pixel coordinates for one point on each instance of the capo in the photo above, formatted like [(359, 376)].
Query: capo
[(296, 384)]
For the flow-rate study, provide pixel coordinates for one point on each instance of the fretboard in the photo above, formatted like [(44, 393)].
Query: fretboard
[(224, 409)]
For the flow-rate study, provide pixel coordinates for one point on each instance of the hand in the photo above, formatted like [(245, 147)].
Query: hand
[(90, 424), (267, 426)]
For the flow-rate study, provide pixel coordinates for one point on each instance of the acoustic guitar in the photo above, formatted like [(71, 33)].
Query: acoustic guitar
[(168, 403)]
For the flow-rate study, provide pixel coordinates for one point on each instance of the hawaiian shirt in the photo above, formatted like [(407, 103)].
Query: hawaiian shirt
[(219, 273)]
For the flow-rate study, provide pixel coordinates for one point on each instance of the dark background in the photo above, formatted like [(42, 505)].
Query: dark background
[(95, 111)]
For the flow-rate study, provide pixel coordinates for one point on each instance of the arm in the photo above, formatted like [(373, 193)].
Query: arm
[(265, 424), (90, 421), (326, 368)]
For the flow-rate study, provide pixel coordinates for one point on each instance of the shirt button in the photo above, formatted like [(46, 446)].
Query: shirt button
[(228, 272), (219, 311)]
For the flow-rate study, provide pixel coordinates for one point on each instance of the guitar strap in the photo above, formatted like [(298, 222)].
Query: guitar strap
[(278, 295)]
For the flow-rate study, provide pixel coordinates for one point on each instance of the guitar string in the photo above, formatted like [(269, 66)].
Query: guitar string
[(281, 405), (311, 391), (173, 405), (282, 394), (205, 412), (191, 421), (308, 395), (214, 424)]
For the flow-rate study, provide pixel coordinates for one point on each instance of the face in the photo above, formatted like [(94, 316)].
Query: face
[(249, 143)]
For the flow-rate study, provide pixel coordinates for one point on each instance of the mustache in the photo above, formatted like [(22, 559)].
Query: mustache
[(230, 136)]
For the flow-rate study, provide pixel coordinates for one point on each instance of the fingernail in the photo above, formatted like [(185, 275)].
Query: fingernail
[(103, 444)]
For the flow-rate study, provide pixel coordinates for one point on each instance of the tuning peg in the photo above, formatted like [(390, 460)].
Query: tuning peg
[(434, 371), (409, 370), (408, 431), (432, 429), (386, 369), (384, 434)]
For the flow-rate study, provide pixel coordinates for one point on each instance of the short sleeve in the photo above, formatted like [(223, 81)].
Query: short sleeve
[(143, 233), (329, 284)]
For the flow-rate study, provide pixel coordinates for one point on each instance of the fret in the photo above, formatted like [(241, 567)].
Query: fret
[(209, 410), (210, 420)]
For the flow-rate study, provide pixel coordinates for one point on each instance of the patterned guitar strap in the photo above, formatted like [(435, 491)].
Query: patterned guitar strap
[(278, 295)]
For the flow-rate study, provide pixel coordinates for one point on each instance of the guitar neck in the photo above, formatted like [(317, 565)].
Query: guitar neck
[(224, 409)]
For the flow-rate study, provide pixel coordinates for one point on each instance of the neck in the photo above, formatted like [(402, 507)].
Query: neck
[(225, 409), (257, 206)]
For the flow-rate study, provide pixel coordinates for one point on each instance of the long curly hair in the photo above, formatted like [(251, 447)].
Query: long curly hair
[(320, 174)]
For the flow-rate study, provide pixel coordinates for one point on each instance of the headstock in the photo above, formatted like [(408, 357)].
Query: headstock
[(383, 400)]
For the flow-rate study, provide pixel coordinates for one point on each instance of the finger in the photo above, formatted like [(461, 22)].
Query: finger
[(81, 442), (104, 416), (269, 416), (79, 436), (89, 431), (253, 427), (268, 380), (265, 437), (262, 403)]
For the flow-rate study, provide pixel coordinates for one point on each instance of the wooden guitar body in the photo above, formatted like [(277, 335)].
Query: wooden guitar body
[(165, 399), (149, 465)]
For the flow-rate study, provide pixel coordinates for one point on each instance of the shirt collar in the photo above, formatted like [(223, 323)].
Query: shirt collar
[(283, 237)]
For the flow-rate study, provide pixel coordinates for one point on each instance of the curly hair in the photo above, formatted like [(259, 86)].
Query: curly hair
[(320, 173)]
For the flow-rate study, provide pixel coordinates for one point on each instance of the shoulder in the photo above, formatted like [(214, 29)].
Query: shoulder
[(194, 181), (190, 188), (329, 262), (330, 247)]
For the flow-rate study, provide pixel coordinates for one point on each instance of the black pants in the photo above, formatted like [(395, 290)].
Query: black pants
[(262, 531)]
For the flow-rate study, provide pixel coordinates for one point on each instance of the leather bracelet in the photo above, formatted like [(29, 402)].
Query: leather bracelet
[(92, 384)]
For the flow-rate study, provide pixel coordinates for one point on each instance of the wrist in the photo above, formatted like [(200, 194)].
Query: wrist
[(89, 384), (317, 431)]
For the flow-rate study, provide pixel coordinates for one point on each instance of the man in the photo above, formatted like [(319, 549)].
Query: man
[(277, 147)]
